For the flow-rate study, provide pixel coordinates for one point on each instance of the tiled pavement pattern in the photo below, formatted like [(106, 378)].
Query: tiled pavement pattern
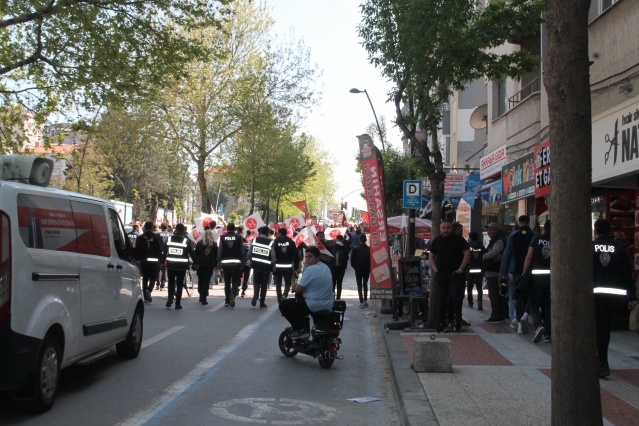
[(501, 378)]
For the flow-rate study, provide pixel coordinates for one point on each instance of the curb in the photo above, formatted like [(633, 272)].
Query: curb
[(414, 407)]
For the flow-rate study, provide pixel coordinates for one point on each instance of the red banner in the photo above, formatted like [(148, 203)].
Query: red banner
[(541, 169), (365, 217), (373, 171)]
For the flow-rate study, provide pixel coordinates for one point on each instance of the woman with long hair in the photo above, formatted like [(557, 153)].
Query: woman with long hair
[(205, 263)]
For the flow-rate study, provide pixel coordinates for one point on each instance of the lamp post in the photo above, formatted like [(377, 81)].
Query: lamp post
[(126, 193), (379, 129)]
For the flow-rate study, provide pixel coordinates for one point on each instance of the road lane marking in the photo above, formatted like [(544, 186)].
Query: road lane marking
[(275, 411), (216, 307), (158, 337), (193, 379)]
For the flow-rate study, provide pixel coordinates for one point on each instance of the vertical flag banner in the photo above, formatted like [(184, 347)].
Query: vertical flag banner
[(253, 222), (344, 221), (373, 171)]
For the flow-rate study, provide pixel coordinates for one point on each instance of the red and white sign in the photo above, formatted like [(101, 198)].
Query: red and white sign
[(490, 165), (373, 172), (541, 169), (454, 184), (253, 222), (332, 233), (296, 221)]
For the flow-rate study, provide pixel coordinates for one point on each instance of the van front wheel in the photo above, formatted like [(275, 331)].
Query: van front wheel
[(130, 347)]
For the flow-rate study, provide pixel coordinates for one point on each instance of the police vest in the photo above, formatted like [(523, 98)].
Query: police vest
[(285, 251), (154, 253), (261, 254), (476, 253), (613, 275), (231, 245), (521, 242), (177, 254), (541, 255)]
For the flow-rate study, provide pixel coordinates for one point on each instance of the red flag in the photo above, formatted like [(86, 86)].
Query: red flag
[(344, 221), (302, 206), (365, 217)]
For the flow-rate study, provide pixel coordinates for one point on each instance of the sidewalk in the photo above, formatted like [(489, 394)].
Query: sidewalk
[(500, 378)]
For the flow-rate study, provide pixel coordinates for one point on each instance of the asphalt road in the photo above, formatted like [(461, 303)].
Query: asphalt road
[(222, 366)]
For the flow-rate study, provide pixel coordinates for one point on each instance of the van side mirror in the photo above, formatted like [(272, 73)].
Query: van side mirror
[(26, 169)]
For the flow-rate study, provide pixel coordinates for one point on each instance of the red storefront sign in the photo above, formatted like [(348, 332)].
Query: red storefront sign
[(541, 169), (490, 165)]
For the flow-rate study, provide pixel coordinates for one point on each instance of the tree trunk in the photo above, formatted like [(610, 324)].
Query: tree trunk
[(575, 382), (201, 180), (437, 192), (252, 196)]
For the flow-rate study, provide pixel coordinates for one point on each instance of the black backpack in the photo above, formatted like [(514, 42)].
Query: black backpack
[(141, 248)]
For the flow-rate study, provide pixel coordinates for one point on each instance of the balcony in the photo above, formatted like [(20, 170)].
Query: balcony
[(527, 91)]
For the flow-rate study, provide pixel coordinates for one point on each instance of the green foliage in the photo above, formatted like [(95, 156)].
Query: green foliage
[(83, 53), (233, 217)]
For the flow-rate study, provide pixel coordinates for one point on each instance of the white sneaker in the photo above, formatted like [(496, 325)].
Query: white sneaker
[(513, 324), (362, 305), (520, 332)]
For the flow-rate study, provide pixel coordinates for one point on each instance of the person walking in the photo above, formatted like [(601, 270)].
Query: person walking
[(338, 265), (286, 263), (517, 249), (613, 287), (205, 263), (263, 260), (475, 274), (361, 263), (449, 256), (150, 253), (538, 264), (230, 258), (179, 250), (492, 262)]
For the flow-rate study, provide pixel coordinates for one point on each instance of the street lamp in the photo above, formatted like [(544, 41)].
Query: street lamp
[(379, 129), (126, 193)]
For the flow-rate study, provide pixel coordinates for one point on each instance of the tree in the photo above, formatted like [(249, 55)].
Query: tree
[(59, 53), (217, 98), (575, 384), (429, 48)]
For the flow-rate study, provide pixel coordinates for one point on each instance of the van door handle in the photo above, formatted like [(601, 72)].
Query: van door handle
[(110, 265), (119, 267)]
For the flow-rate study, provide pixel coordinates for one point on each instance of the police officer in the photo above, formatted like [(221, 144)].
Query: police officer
[(164, 236), (614, 287), (178, 250), (230, 257), (538, 263), (475, 274), (262, 262), (287, 261), (154, 254)]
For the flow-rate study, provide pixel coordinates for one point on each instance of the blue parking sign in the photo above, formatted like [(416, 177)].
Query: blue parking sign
[(412, 194)]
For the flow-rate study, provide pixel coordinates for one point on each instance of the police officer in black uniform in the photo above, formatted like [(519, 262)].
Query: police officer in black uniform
[(614, 287), (475, 274), (287, 261), (230, 257), (538, 264), (154, 255), (262, 262), (165, 234), (178, 251)]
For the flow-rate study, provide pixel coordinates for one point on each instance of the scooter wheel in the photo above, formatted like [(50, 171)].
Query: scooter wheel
[(325, 361), (286, 345)]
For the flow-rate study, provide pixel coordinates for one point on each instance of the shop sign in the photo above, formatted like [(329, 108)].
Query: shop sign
[(541, 169), (454, 184), (518, 180), (490, 165), (615, 143)]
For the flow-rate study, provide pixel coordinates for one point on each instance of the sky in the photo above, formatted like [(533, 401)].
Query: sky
[(329, 29)]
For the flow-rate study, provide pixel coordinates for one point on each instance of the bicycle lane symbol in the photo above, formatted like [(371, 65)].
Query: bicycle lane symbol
[(274, 411)]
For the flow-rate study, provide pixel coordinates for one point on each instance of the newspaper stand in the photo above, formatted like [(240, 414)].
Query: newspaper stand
[(412, 286)]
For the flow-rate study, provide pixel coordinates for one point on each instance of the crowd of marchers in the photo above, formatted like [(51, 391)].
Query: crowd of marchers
[(515, 269), (234, 256)]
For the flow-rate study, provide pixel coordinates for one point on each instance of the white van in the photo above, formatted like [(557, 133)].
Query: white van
[(68, 289)]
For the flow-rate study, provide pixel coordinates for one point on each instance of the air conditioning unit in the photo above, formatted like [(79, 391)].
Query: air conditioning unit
[(26, 169)]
